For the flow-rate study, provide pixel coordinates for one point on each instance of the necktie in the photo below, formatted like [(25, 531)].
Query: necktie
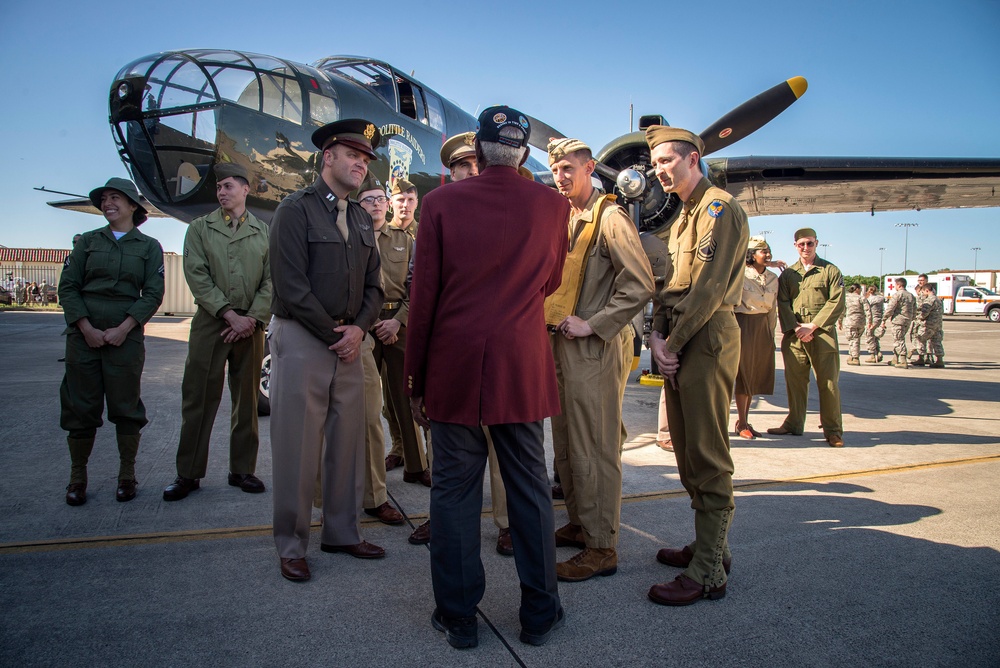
[(342, 218)]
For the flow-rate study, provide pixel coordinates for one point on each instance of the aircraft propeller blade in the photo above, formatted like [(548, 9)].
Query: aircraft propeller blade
[(752, 115)]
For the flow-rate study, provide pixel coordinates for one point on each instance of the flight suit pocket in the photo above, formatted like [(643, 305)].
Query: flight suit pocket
[(326, 254), (130, 352), (97, 264), (133, 265), (682, 268)]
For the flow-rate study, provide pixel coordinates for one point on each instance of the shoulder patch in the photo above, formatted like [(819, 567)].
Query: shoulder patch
[(706, 248), (66, 262), (716, 208)]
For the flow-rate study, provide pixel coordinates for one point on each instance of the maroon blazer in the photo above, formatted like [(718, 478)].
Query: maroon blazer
[(489, 250)]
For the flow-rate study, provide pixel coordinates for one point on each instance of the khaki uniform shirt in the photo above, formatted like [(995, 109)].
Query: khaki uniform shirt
[(707, 251), (815, 296), (395, 248), (618, 281), (760, 292), (317, 278), (229, 269), (411, 229), (106, 280)]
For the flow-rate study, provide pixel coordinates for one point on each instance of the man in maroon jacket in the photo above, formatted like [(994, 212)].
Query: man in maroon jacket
[(477, 353)]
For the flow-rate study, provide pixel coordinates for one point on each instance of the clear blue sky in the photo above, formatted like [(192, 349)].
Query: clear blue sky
[(888, 78)]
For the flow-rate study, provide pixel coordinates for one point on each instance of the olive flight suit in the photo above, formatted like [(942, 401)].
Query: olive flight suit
[(106, 280), (815, 296), (591, 373), (694, 311), (227, 267)]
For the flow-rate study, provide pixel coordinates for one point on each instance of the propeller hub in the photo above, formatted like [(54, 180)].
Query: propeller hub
[(632, 183)]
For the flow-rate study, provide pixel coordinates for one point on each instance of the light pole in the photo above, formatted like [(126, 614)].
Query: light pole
[(824, 246), (881, 256), (906, 240), (764, 233), (975, 262)]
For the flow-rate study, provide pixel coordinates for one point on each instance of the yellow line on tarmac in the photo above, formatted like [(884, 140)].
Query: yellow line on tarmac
[(54, 545)]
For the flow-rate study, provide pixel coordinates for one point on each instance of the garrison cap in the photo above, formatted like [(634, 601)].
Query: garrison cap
[(224, 170), (354, 132), (494, 119), (401, 186), (805, 232), (757, 243), (458, 147), (124, 186), (371, 183), (560, 148), (657, 134)]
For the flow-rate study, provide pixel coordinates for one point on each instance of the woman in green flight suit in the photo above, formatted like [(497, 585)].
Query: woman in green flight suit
[(111, 285)]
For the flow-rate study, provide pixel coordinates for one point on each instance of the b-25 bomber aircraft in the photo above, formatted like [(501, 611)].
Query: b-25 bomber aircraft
[(175, 114)]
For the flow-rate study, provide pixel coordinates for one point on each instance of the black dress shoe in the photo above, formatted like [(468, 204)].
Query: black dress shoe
[(180, 488), (423, 477), (363, 550), (126, 490), (541, 636), (461, 632), (76, 493), (296, 570), (248, 482)]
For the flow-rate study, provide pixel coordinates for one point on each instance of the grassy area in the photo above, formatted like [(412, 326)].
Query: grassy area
[(33, 307)]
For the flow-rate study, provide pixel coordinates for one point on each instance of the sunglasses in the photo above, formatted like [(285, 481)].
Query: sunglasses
[(806, 244)]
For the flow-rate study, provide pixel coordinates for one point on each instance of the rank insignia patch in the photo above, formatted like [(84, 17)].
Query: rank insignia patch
[(716, 208), (706, 248), (66, 263)]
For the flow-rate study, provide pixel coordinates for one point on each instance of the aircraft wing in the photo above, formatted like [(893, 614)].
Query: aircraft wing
[(84, 205), (768, 186)]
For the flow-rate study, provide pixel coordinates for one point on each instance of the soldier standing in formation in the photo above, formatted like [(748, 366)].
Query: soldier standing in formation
[(227, 267), (927, 328), (810, 300), (873, 319), (606, 281), (900, 311), (111, 285), (854, 318)]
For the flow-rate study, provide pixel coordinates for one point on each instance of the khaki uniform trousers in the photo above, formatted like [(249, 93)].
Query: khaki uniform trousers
[(662, 421), (314, 396), (699, 426), (402, 428), (201, 393), (587, 436), (822, 355)]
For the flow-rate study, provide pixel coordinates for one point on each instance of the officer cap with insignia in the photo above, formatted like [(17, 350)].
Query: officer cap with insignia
[(458, 147), (354, 132), (371, 183), (125, 187), (495, 119), (805, 232), (402, 186), (560, 148), (225, 170), (658, 134)]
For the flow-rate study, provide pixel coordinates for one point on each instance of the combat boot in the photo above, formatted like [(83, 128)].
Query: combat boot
[(853, 361), (938, 362), (918, 361), (588, 563), (871, 360), (128, 446), (900, 362), (79, 455)]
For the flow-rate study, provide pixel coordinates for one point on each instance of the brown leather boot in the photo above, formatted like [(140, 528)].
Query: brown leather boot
[(588, 563), (570, 535)]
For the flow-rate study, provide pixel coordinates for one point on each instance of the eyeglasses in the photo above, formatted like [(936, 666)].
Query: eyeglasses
[(373, 199), (806, 244)]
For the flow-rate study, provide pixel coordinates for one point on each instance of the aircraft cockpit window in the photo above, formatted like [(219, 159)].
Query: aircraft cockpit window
[(372, 76), (411, 100), (435, 111), (181, 83), (282, 97)]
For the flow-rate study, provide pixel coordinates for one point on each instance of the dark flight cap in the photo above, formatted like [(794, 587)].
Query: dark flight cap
[(371, 183), (494, 119), (224, 170), (458, 147), (124, 186), (805, 232), (658, 134), (401, 186), (354, 132)]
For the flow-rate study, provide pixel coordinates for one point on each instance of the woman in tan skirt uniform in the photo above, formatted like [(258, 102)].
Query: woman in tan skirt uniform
[(757, 316)]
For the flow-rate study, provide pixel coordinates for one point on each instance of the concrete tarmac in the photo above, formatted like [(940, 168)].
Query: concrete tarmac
[(885, 552)]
